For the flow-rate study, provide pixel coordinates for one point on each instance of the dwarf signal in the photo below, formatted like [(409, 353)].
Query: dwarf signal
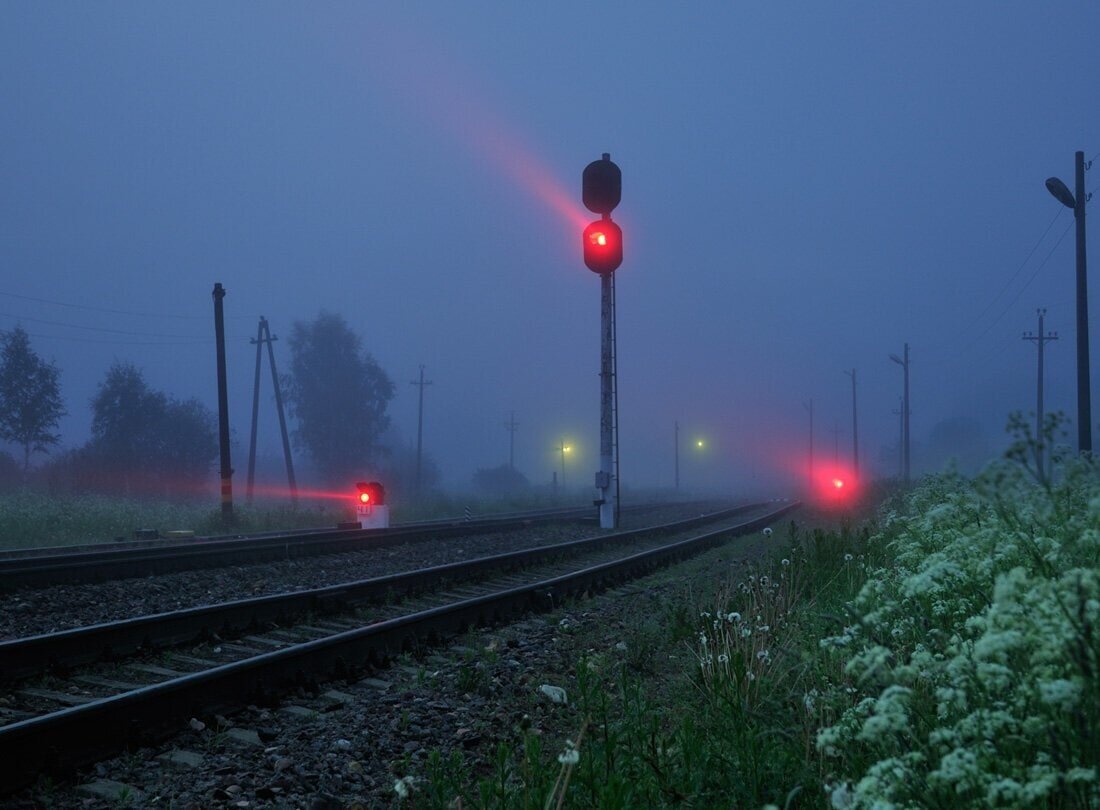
[(370, 508)]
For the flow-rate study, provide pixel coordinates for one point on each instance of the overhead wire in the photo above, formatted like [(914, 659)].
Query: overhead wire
[(103, 328), (111, 311)]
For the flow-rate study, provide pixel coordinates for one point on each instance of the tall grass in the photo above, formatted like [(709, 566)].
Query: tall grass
[(949, 659)]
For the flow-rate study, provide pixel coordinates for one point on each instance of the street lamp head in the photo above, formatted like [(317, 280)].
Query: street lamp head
[(897, 360), (1060, 192)]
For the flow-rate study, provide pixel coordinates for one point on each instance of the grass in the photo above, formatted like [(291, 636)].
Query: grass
[(947, 657), (34, 520)]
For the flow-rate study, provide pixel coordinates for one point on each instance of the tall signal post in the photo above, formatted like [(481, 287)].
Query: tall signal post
[(1040, 339), (602, 240), (1077, 203)]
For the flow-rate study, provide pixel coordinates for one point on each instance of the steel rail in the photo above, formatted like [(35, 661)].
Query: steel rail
[(32, 655), (79, 735), (100, 566)]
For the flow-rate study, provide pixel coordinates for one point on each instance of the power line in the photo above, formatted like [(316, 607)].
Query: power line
[(100, 328), (103, 309), (1019, 269)]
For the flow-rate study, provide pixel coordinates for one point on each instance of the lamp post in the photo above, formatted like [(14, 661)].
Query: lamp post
[(904, 412), (563, 448), (1077, 203)]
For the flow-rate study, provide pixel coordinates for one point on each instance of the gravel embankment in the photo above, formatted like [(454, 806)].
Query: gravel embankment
[(46, 610), (345, 746)]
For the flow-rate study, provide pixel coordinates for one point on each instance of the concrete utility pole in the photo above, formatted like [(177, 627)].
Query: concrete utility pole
[(1039, 339), (855, 427), (905, 410), (810, 406), (1077, 203), (223, 407), (676, 445), (420, 427), (511, 426)]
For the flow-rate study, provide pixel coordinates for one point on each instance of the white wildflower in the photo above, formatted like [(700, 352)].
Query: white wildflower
[(403, 785), (571, 755)]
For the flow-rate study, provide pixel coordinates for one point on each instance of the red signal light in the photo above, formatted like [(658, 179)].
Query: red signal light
[(838, 483), (371, 493), (603, 246)]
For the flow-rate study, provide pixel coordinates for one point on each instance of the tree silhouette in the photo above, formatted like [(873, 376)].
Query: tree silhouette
[(30, 397), (146, 442), (338, 396)]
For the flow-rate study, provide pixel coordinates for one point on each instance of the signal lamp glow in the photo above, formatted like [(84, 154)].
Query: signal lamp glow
[(364, 497), (838, 483)]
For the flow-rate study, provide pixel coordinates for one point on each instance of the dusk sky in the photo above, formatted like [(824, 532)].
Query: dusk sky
[(806, 187)]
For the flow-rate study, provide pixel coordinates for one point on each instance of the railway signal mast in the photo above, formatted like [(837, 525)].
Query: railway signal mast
[(602, 183)]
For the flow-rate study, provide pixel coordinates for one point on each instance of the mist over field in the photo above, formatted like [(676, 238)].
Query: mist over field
[(806, 189)]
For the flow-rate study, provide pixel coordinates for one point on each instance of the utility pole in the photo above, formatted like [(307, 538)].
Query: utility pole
[(810, 407), (263, 335), (1039, 339), (676, 431), (899, 412), (259, 342), (906, 410), (223, 407), (855, 427), (420, 427), (511, 426), (1077, 203)]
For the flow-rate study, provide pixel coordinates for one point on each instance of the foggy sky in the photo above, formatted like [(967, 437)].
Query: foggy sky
[(805, 188)]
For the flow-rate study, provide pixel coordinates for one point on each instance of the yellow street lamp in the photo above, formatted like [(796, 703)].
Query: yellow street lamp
[(564, 448)]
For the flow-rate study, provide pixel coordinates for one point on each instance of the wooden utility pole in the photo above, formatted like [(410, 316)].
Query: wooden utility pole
[(264, 336), (906, 410), (420, 428), (810, 406), (511, 425), (855, 427), (223, 407), (1039, 339)]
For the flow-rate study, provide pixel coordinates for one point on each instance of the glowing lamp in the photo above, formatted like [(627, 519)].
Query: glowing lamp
[(603, 246), (838, 483), (371, 493)]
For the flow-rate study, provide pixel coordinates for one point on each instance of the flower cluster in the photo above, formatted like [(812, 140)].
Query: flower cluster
[(976, 658)]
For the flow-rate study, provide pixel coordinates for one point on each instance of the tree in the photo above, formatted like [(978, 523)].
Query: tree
[(338, 396), (502, 480), (146, 441), (30, 397)]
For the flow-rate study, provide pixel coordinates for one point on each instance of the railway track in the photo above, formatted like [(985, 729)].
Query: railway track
[(22, 569), (121, 683)]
